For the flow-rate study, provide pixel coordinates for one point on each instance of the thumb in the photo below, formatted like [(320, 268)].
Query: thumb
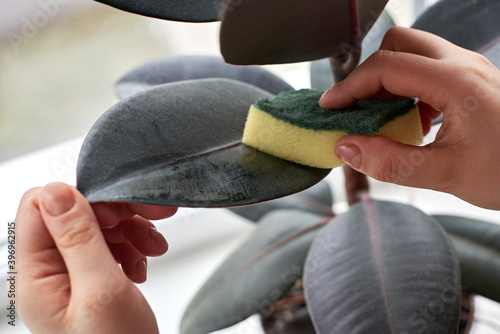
[(394, 162), (77, 235)]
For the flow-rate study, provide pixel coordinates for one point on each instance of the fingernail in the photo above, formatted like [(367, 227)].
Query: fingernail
[(323, 96), (349, 154), (141, 270), (57, 198), (157, 236)]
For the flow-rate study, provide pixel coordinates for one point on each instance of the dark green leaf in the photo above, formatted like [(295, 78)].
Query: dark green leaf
[(471, 24), (175, 10), (479, 266), (172, 69), (383, 268), (481, 232), (256, 275), (286, 31), (321, 72), (180, 144), (317, 199)]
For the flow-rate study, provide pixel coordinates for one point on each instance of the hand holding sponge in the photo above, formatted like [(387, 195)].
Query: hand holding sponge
[(293, 127)]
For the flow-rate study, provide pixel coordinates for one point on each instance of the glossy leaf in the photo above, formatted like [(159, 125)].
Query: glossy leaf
[(478, 231), (179, 68), (317, 199), (378, 268), (180, 144), (175, 10), (286, 31), (321, 72), (256, 275), (479, 266), (471, 24)]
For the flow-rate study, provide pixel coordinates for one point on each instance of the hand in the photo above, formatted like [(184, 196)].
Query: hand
[(463, 85), (68, 279)]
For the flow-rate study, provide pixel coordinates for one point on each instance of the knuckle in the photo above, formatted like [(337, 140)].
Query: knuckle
[(445, 178), (384, 168), (381, 57), (482, 59), (393, 33), (387, 171), (30, 195), (77, 232)]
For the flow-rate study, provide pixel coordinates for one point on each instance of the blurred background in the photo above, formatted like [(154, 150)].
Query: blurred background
[(59, 61)]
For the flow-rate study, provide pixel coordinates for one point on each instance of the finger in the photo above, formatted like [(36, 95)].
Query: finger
[(38, 258), (134, 264), (390, 71), (36, 249), (424, 167), (77, 236), (141, 233), (415, 41), (110, 214)]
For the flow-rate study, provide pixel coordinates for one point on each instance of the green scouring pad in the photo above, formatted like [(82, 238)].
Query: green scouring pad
[(293, 127)]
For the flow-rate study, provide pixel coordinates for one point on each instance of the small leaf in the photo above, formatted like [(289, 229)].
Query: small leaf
[(175, 10), (256, 275), (471, 24), (478, 231), (317, 199), (479, 266), (287, 31), (378, 269), (172, 69), (180, 144), (321, 72)]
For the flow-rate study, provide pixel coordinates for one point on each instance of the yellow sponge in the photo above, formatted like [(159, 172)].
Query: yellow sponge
[(293, 127)]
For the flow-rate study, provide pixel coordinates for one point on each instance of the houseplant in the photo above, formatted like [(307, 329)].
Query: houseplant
[(380, 267)]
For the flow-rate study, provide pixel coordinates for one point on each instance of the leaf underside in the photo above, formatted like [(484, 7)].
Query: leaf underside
[(379, 268), (256, 275), (321, 72), (286, 31), (317, 199), (174, 10), (180, 68), (180, 144)]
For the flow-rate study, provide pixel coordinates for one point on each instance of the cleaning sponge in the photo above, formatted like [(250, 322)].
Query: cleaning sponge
[(293, 127)]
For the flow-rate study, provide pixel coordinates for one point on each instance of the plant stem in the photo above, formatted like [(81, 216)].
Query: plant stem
[(355, 184)]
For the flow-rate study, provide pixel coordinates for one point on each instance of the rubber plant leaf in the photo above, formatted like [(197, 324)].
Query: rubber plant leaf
[(256, 275), (179, 68), (286, 31), (317, 199), (478, 231), (180, 144), (321, 71), (174, 10), (383, 267), (479, 266), (471, 24)]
